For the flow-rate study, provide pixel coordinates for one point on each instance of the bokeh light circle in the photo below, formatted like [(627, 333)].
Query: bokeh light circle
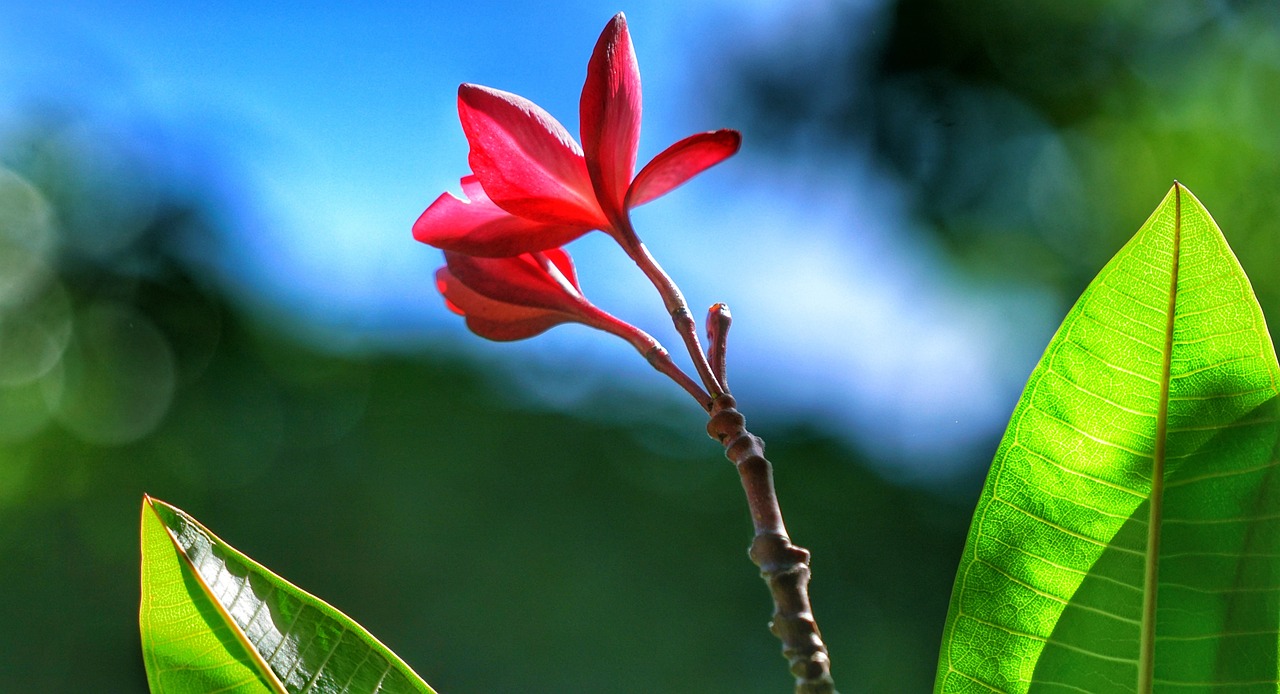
[(116, 379)]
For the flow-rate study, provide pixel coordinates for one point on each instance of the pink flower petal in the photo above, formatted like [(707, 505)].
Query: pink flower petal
[(560, 258), (610, 115), (530, 279), (479, 227), (508, 331), (494, 319), (527, 162), (680, 162)]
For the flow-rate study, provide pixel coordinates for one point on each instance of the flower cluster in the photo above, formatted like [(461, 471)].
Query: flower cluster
[(532, 189)]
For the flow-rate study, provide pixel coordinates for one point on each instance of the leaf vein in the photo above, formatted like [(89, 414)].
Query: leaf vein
[(1093, 478), (1064, 530)]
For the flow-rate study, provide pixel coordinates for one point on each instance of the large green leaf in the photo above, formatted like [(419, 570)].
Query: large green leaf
[(1128, 536), (213, 620)]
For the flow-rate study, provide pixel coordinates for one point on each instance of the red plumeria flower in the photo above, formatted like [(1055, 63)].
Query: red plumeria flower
[(520, 296), (533, 188)]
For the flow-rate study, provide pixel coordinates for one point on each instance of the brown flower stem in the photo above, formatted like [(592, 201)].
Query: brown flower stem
[(660, 359), (676, 306), (784, 566), (652, 350)]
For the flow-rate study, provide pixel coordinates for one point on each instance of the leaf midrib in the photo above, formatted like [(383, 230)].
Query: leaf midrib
[(260, 664), (1150, 588)]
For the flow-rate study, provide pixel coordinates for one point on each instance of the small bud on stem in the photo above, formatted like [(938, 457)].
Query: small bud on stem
[(718, 321)]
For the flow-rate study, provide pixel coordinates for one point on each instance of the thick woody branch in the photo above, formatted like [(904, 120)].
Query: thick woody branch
[(784, 566)]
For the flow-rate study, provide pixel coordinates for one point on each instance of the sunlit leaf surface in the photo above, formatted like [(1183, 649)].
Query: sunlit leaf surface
[(213, 620), (1128, 535)]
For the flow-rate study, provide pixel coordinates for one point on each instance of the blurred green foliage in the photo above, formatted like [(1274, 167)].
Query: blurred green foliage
[(495, 545), (1034, 136)]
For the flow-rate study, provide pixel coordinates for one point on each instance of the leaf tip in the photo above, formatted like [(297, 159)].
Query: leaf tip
[(150, 502)]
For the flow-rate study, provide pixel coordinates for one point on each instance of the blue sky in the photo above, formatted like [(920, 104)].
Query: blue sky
[(333, 125)]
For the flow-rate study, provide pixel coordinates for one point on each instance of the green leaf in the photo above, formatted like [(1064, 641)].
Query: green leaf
[(213, 620), (1128, 535)]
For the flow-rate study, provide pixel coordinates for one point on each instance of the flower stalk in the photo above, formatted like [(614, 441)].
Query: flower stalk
[(678, 308), (658, 357)]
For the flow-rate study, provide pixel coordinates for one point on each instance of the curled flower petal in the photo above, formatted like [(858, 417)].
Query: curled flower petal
[(544, 280), (527, 162), (680, 162), (559, 257), (493, 319), (610, 116), (476, 226)]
